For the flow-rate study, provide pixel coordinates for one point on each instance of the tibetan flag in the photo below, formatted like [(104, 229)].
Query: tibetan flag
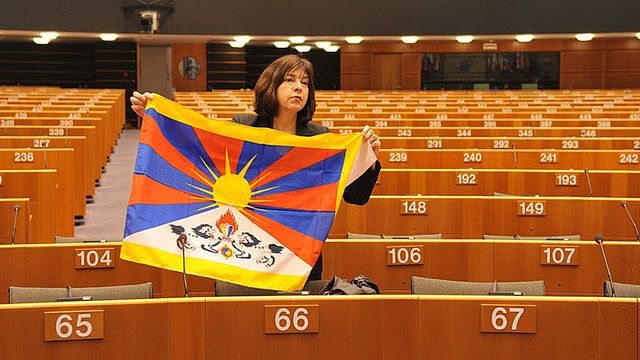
[(251, 206)]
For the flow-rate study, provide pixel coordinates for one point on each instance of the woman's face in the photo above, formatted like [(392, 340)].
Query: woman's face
[(293, 93)]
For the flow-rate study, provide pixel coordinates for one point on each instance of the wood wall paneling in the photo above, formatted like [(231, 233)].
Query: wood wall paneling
[(387, 73), (411, 71), (610, 63), (621, 80), (356, 71)]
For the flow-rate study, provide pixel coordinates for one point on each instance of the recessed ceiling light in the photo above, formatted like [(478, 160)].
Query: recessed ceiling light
[(409, 39), (323, 44), (524, 37), (585, 37), (108, 37), (51, 35), (303, 48), (236, 44), (638, 35), (242, 38), (297, 39), (354, 39), (41, 40), (464, 39), (281, 44), (332, 48)]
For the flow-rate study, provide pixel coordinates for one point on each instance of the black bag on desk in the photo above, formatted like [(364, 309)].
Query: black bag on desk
[(360, 285)]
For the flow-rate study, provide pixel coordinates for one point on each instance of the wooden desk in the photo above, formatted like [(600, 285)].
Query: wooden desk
[(82, 151), (69, 173), (486, 261), (510, 142), (54, 265), (23, 224), (545, 182), (41, 187), (350, 327), (566, 329), (471, 217), (510, 159)]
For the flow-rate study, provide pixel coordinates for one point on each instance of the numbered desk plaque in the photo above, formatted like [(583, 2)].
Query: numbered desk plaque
[(531, 208), (560, 255), (566, 179), (413, 207), (94, 258), (405, 255), (466, 178), (74, 325), (508, 318), (291, 319)]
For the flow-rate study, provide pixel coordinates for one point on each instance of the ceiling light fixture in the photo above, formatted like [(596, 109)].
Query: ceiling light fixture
[(525, 38), (332, 48), (109, 37), (41, 40), (464, 39), (51, 35), (354, 39), (281, 44), (303, 48), (409, 39), (585, 37), (236, 44), (323, 44), (297, 39)]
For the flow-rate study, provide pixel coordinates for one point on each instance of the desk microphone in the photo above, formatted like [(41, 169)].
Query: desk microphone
[(515, 156), (599, 239), (182, 244), (633, 223), (586, 174), (16, 209)]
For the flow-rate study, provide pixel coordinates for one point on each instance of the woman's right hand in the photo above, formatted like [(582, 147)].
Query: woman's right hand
[(139, 102)]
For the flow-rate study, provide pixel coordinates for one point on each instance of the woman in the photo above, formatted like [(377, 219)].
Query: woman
[(285, 101)]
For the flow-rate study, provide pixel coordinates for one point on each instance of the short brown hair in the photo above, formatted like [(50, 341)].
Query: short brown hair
[(266, 99)]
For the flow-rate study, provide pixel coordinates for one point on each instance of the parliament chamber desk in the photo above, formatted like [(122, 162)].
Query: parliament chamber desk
[(510, 158), (529, 182), (566, 267), (399, 327), (508, 143), (471, 217), (462, 131)]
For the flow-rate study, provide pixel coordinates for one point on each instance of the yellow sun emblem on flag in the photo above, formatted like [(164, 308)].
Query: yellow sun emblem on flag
[(229, 188)]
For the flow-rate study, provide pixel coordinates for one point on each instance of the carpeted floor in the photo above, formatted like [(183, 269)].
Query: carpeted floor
[(105, 217)]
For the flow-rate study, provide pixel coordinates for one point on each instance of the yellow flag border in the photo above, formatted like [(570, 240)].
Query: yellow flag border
[(195, 266)]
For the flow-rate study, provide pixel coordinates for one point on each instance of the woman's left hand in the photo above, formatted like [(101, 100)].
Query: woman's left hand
[(372, 138)]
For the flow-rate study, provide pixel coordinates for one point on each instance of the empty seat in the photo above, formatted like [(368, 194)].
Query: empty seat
[(363, 236), (413, 237), (622, 290), (546, 237), (428, 286), (19, 295), (69, 239), (527, 288), (224, 288), (138, 291)]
